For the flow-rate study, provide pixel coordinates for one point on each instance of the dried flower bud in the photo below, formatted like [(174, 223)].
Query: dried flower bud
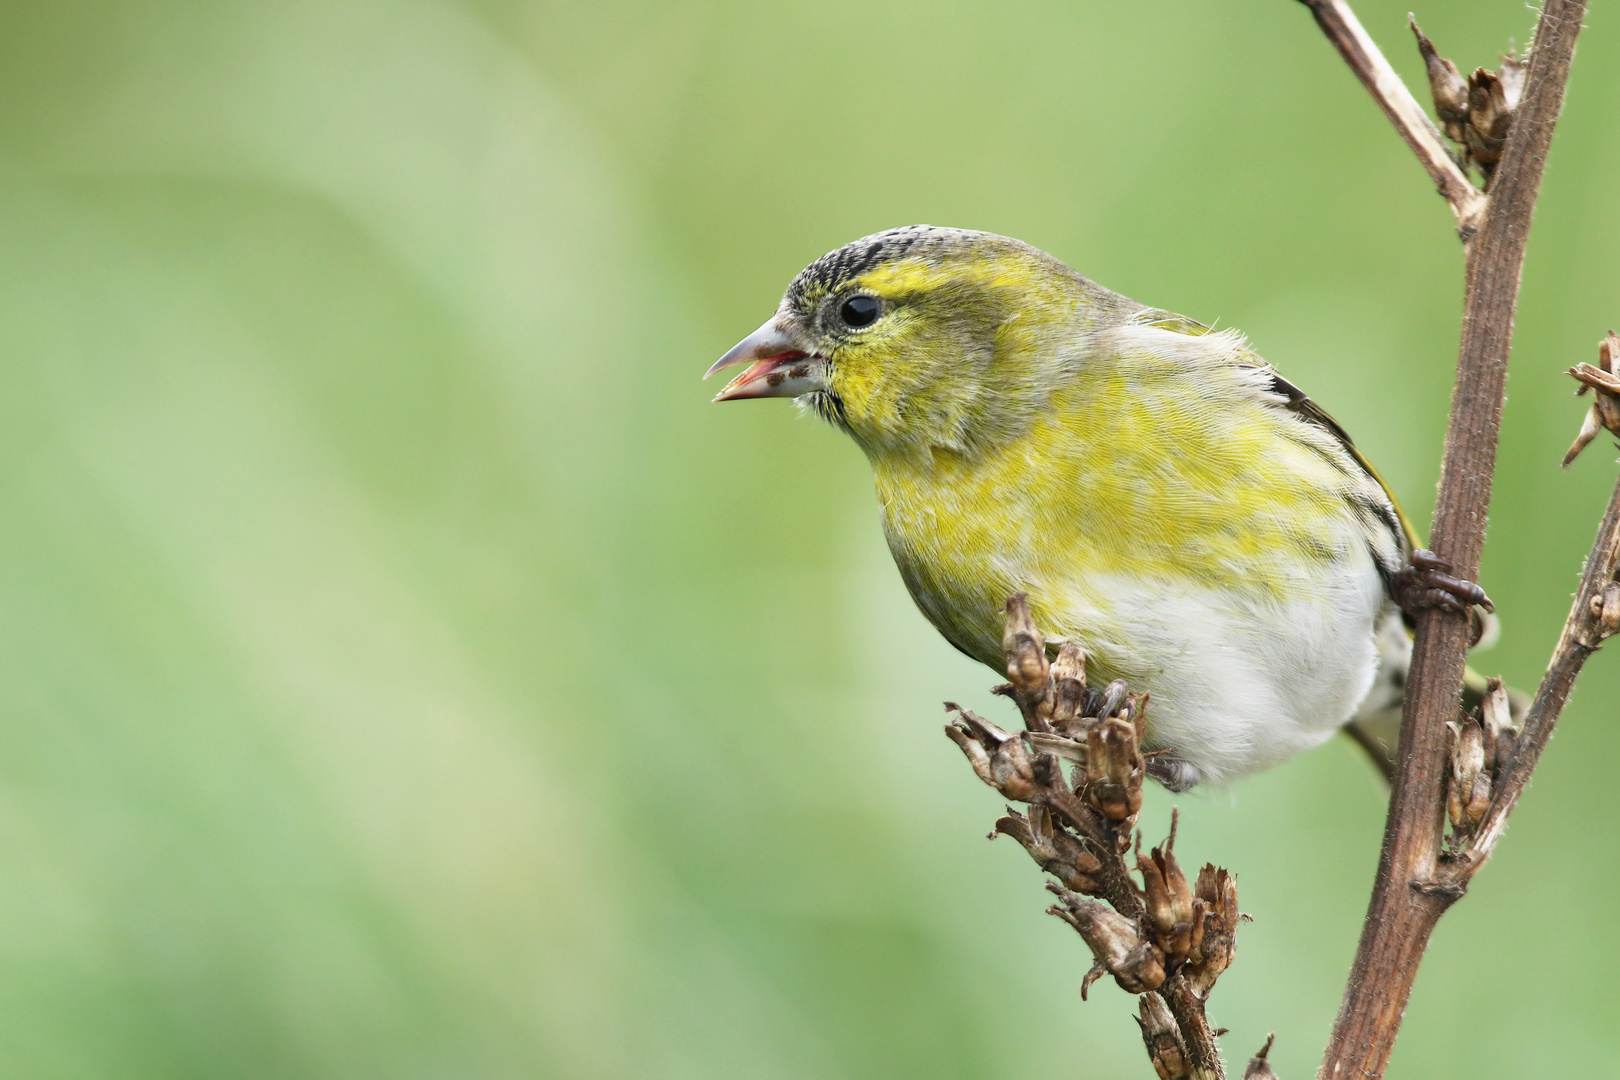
[(1513, 73), (1604, 380), (1497, 711), (1447, 86), (1136, 965), (1136, 712), (997, 756), (1115, 695), (1114, 768), (1162, 1038), (1259, 1068), (1169, 900), (1061, 747), (1489, 117), (1026, 654), (1606, 609), (1068, 675), (1468, 784), (1216, 906), (1054, 849)]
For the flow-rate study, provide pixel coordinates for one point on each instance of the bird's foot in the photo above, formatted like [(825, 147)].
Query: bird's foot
[(1427, 582), (1176, 775)]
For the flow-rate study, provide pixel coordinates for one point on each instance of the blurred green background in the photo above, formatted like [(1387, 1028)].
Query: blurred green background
[(406, 672)]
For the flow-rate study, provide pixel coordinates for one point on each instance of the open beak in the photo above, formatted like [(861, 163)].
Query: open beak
[(777, 367)]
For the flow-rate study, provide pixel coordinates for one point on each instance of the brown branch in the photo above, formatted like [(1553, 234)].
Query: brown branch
[(1411, 892), (1344, 30)]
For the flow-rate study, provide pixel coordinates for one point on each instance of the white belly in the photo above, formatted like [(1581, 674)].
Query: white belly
[(1238, 683)]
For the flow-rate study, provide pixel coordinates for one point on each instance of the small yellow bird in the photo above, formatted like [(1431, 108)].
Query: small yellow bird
[(1168, 501)]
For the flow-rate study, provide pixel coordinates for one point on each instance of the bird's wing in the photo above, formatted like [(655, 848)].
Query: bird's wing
[(1299, 403), (1374, 728)]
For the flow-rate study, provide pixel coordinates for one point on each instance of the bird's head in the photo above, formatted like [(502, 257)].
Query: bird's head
[(922, 338)]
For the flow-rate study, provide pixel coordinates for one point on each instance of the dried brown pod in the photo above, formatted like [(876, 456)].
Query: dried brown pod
[(1136, 965), (1606, 609), (1468, 780), (1446, 85), (1489, 117), (1162, 1038), (1169, 900), (1114, 770), (996, 755), (1604, 382), (1068, 689), (1216, 893), (1259, 1068), (1054, 849), (1026, 657)]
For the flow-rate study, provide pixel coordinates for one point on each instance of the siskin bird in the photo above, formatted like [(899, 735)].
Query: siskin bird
[(1169, 502)]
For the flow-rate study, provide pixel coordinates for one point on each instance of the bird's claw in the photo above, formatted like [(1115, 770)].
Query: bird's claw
[(1427, 582), (1176, 775)]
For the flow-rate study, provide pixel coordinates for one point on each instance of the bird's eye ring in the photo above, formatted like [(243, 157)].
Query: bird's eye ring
[(859, 310)]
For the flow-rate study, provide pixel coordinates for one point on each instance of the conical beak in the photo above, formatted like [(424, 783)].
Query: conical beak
[(777, 367)]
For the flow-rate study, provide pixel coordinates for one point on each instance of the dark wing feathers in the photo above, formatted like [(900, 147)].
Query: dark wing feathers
[(1300, 403)]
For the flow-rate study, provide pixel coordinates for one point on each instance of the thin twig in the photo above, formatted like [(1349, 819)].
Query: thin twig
[(1590, 620), (1409, 893), (1342, 28)]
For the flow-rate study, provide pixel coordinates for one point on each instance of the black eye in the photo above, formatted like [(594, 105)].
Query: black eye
[(859, 311)]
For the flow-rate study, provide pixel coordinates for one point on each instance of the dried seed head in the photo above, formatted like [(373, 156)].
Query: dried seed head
[(1053, 848), (1468, 783), (1489, 117), (1606, 608), (1446, 85), (1136, 965), (997, 756), (1162, 1038), (1114, 767), (1604, 381), (1169, 901), (1481, 747), (1217, 910), (1068, 689), (1026, 655), (1259, 1068), (1475, 113)]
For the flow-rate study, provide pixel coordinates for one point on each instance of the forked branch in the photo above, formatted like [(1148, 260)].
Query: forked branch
[(1342, 28), (1419, 875)]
